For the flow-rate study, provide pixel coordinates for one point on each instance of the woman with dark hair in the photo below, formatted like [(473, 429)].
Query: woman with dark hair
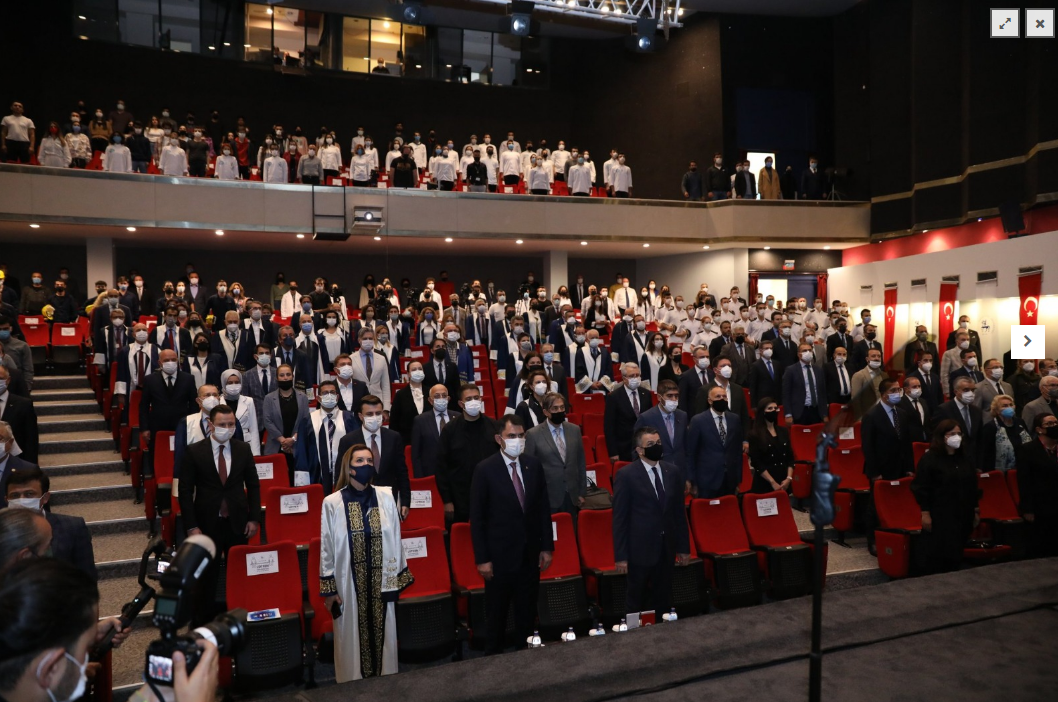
[(537, 385), (278, 290), (1038, 484), (367, 291), (654, 359), (945, 487), (673, 368), (771, 457)]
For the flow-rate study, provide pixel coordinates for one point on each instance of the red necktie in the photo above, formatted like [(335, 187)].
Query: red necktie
[(172, 340), (222, 469)]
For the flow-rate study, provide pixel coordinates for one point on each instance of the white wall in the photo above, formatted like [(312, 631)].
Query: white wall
[(993, 307), (684, 274)]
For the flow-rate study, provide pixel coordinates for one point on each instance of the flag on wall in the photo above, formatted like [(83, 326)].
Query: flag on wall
[(946, 318), (1029, 290), (890, 320)]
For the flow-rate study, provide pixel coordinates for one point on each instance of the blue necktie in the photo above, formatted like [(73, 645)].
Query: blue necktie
[(659, 485)]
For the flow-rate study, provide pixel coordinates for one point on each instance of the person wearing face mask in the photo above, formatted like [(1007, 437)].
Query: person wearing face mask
[(476, 172), (991, 385), (226, 166), (274, 168), (625, 403), (771, 457), (968, 367), (284, 410), (219, 304), (231, 384), (1002, 436), (9, 465), (768, 181), (764, 378), (813, 185), (230, 342), (332, 340), (433, 415), (1046, 403), (99, 131), (167, 399), (173, 159), (200, 362), (838, 377), (316, 454), (592, 366), (840, 337), (971, 334), (140, 148), (369, 367), (117, 158), (330, 158), (108, 340), (741, 352), (1038, 485), (715, 446), (745, 185), (1025, 383), (510, 530), (28, 487), (887, 451), (534, 388), (961, 408), (196, 426), (578, 177), (717, 180), (804, 392), (915, 348), (917, 409), (865, 382), (671, 422), (869, 341), (135, 363), (691, 185), (78, 144), (53, 151), (510, 166), (945, 487)]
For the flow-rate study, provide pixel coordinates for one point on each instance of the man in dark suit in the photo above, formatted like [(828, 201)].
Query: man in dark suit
[(721, 341), (440, 370), (838, 379), (595, 354), (197, 293), (258, 329), (964, 325), (694, 379), (168, 397), (765, 375), (887, 452), (785, 346), (220, 496), (350, 390), (649, 524), (386, 447), (970, 369), (927, 374), (169, 335), (804, 392), (510, 524), (260, 379), (714, 448), (671, 423), (745, 184), (916, 408), (962, 408), (918, 347), (9, 463), (840, 338), (19, 414), (554, 369), (623, 407), (70, 539), (858, 357), (304, 360), (741, 354), (736, 397), (426, 431), (577, 291)]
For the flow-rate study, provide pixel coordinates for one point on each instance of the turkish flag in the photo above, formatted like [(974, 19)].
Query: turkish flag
[(890, 321), (946, 318), (1029, 290)]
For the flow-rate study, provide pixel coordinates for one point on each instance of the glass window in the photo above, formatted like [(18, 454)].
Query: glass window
[(449, 53), (288, 35), (315, 44), (356, 45), (258, 44), (507, 55), (96, 19), (416, 51), (138, 22), (477, 56), (180, 22), (386, 53)]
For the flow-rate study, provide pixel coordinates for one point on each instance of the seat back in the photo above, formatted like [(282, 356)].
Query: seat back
[(619, 465), (593, 425), (65, 335), (717, 526), (769, 520), (271, 473), (803, 439), (896, 505), (590, 404), (599, 473), (602, 451), (589, 448), (565, 560), (36, 332), (163, 456), (427, 561), (746, 483), (464, 566), (322, 621), (847, 462), (995, 501), (426, 508), (294, 513), (264, 577), (595, 534), (920, 448), (1012, 485)]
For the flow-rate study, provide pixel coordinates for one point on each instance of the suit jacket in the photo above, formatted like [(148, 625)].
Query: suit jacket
[(795, 392), (1037, 406), (393, 472), (740, 185), (644, 530), (404, 413), (717, 344), (359, 390), (865, 389), (13, 463), (886, 454), (975, 374), (198, 300), (425, 440), (764, 384), (741, 365), (1037, 480), (504, 533), (462, 446), (975, 341), (252, 388), (714, 465), (272, 416), (201, 491), (306, 362), (580, 366), (951, 410), (914, 350), (563, 476), (835, 340), (619, 418), (918, 429), (452, 379), (124, 375), (160, 338), (986, 392), (830, 376), (72, 542), (690, 383), (558, 374), (190, 431), (628, 349), (312, 444), (326, 362), (676, 447), (933, 394), (162, 409), (736, 404), (378, 383), (22, 417), (214, 365), (858, 355)]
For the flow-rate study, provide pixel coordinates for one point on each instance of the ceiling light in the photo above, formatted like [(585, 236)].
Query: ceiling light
[(826, 248), (301, 236), (227, 43), (378, 238), (268, 11), (706, 246), (34, 226), (81, 17), (366, 58), (448, 240), (386, 25), (518, 242), (212, 48), (767, 248), (219, 232), (83, 37), (646, 246), (605, 8), (418, 65), (448, 65), (925, 231), (130, 229), (681, 12), (246, 46), (583, 243)]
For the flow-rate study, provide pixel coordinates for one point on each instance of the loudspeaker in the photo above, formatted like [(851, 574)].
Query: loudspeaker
[(1010, 213)]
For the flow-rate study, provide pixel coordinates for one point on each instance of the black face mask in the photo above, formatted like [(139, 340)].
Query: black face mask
[(439, 354), (740, 338), (870, 336), (1052, 432), (557, 418), (719, 406), (842, 328), (285, 384), (772, 416), (510, 316), (654, 453), (202, 346)]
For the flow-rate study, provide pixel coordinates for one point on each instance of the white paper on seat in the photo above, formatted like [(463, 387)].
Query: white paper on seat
[(294, 504), (414, 547), (421, 499), (265, 471), (301, 478), (767, 507), (262, 563)]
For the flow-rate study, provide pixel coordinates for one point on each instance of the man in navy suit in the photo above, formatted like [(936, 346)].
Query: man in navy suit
[(804, 392), (649, 524), (386, 446), (510, 524), (623, 407), (671, 423), (168, 397), (316, 453), (714, 448), (695, 379), (765, 375), (426, 431), (169, 335), (9, 463)]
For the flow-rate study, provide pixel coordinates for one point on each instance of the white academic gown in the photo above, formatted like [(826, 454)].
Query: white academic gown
[(336, 577)]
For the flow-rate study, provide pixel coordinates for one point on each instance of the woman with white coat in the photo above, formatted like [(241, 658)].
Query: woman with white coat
[(245, 411), (53, 151), (117, 158), (330, 158)]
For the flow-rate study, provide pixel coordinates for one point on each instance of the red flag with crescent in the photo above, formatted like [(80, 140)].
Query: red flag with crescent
[(1029, 289), (946, 318), (890, 321)]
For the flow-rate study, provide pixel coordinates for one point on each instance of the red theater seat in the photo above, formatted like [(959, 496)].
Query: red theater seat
[(784, 558), (721, 541)]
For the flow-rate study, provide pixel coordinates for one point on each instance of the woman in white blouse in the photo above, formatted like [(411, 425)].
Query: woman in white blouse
[(408, 403), (202, 366), (654, 359), (245, 411)]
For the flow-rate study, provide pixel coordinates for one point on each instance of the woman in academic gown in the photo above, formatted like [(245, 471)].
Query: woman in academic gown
[(359, 522)]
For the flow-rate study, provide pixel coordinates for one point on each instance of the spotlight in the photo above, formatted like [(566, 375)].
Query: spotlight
[(367, 218), (583, 243), (34, 226), (130, 229), (219, 232), (411, 12), (520, 23), (644, 41), (448, 240), (301, 236)]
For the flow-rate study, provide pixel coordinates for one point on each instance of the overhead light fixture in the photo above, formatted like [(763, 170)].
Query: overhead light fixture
[(605, 7), (520, 23), (385, 25), (219, 232), (646, 246), (227, 43), (83, 37), (212, 48), (130, 229), (583, 243), (246, 46), (81, 17), (706, 246), (418, 65), (518, 242), (368, 218), (645, 39), (34, 226), (378, 238), (301, 236), (411, 12), (767, 248), (826, 248), (268, 11), (448, 240)]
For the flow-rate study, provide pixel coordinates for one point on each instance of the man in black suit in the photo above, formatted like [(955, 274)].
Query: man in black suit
[(649, 525), (804, 393), (917, 410), (721, 341), (961, 408), (715, 444), (220, 496), (964, 325), (765, 375), (197, 293), (554, 369), (623, 407), (426, 431), (927, 374), (465, 441), (858, 358), (439, 369), (887, 452), (695, 379), (350, 390), (736, 398), (19, 414), (918, 347), (785, 346), (838, 378), (970, 368), (387, 448), (168, 397), (841, 338), (303, 360), (510, 524), (9, 463), (169, 335), (577, 291), (70, 539)]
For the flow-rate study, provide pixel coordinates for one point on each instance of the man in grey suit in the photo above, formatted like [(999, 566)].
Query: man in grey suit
[(282, 433), (557, 444), (671, 423), (991, 386), (426, 432), (259, 381), (1047, 402), (741, 353)]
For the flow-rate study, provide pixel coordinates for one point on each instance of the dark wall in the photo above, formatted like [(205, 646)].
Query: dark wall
[(23, 259), (804, 260), (941, 96)]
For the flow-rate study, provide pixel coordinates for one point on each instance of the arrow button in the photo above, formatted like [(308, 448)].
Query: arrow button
[(1027, 340)]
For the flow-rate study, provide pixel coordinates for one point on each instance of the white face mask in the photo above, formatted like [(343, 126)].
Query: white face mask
[(472, 407), (875, 365), (233, 326), (967, 397), (926, 367), (209, 403), (703, 363), (964, 325), (233, 390), (997, 373), (955, 441), (915, 393), (1027, 367), (345, 372), (594, 343), (964, 344), (440, 404), (417, 376), (634, 383), (540, 388), (767, 353), (82, 680), (329, 400), (452, 336), (222, 434), (839, 360), (169, 367), (806, 356), (141, 337), (513, 447), (367, 344), (725, 371), (671, 405), (971, 362), (372, 423)]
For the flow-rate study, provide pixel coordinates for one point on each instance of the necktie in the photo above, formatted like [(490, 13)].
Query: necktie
[(811, 382), (771, 371), (560, 442), (169, 379), (205, 427), (141, 368), (519, 491), (722, 429), (595, 353), (742, 352), (966, 418), (264, 381), (925, 379), (701, 374), (121, 337), (330, 437), (919, 410), (442, 419), (232, 337), (841, 376), (896, 421), (659, 485), (222, 469), (368, 366), (669, 428), (440, 372), (375, 453), (287, 355), (635, 402), (172, 340)]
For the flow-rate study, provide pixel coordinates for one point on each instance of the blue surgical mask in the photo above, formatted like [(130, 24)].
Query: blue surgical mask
[(1007, 413), (307, 307), (5, 334), (288, 341), (549, 357), (307, 327)]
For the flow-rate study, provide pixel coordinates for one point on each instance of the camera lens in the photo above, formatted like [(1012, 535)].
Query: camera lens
[(227, 632)]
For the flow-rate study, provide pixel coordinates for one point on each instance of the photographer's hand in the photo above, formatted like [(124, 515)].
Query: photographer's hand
[(105, 625), (202, 685)]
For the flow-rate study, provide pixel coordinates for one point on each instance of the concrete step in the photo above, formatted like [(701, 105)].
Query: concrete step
[(120, 546), (76, 442), (84, 481), (68, 423), (104, 460), (136, 525), (60, 382), (104, 493), (80, 393), (51, 407)]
